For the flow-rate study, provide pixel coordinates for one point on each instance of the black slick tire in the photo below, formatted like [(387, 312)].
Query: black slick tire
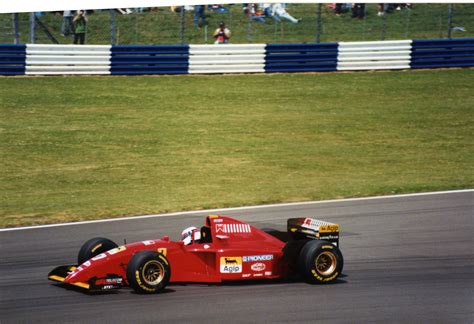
[(320, 262), (94, 247), (148, 272)]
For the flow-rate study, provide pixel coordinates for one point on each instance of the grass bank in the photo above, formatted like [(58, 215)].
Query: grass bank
[(75, 148)]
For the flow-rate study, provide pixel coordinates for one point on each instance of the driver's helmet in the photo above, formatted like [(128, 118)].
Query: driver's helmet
[(190, 234)]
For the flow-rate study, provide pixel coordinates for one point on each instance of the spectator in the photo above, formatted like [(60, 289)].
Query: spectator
[(199, 16), (358, 10), (67, 27), (279, 11), (381, 9), (218, 8), (80, 27), (222, 34), (267, 9), (338, 9), (400, 6), (124, 11), (254, 12), (245, 8)]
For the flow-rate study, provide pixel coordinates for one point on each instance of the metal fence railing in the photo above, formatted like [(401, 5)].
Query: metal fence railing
[(317, 23)]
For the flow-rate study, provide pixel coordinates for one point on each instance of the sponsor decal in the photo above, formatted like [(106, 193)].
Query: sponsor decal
[(99, 256), (117, 250), (328, 237), (268, 273), (256, 258), (107, 287), (113, 280), (320, 278), (246, 275), (148, 242), (218, 220), (231, 264), (258, 266), (322, 227), (206, 246), (233, 228), (96, 247), (258, 274), (328, 228)]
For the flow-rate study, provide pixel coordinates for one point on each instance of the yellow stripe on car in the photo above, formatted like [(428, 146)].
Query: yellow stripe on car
[(80, 284)]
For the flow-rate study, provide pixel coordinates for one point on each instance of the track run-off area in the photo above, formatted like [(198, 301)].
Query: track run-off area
[(408, 258)]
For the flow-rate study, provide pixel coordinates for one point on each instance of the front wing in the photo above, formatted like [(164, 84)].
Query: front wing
[(59, 274)]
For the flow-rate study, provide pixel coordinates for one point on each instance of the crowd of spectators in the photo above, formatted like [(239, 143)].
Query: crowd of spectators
[(76, 25), (358, 9), (275, 11)]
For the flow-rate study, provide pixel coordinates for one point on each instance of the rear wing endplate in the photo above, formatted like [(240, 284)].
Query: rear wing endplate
[(314, 229)]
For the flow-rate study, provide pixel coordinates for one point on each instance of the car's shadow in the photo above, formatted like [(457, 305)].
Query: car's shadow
[(169, 289), (256, 282)]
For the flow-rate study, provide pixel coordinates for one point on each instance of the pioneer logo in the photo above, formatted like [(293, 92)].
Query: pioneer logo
[(256, 258)]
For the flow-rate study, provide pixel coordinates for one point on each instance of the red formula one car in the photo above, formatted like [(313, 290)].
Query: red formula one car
[(224, 249)]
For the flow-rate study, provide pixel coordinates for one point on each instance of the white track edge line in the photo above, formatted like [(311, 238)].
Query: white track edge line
[(236, 208)]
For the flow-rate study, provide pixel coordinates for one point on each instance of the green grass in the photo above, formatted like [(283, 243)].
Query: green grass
[(161, 26), (76, 148)]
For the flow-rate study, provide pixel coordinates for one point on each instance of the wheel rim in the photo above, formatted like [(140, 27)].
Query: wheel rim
[(326, 263), (153, 272)]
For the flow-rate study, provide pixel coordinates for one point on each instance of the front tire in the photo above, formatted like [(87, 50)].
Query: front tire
[(94, 247), (148, 272), (320, 262)]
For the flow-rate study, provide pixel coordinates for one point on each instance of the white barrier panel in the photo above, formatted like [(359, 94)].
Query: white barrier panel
[(225, 68), (67, 52), (67, 59), (375, 44), (374, 55), (202, 59), (227, 58)]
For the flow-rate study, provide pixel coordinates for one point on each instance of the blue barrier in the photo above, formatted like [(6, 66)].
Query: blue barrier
[(440, 53), (301, 57), (162, 59), (12, 59)]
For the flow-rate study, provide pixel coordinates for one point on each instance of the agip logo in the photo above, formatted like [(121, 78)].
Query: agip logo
[(231, 265)]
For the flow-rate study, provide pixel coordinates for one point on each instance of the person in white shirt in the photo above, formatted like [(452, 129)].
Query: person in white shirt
[(67, 27), (278, 11)]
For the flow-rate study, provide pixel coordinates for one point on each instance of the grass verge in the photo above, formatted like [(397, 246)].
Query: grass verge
[(77, 148)]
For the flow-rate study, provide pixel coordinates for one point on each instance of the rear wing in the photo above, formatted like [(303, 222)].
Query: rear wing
[(314, 229)]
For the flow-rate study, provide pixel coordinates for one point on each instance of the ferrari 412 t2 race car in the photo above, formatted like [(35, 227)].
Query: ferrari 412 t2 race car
[(224, 249)]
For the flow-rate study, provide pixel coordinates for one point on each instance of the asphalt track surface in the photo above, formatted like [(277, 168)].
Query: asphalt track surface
[(407, 259)]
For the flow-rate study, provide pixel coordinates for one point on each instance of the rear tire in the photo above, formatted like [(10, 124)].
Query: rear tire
[(94, 247), (320, 262), (148, 272)]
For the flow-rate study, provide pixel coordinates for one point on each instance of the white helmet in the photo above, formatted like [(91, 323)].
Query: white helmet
[(190, 234)]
